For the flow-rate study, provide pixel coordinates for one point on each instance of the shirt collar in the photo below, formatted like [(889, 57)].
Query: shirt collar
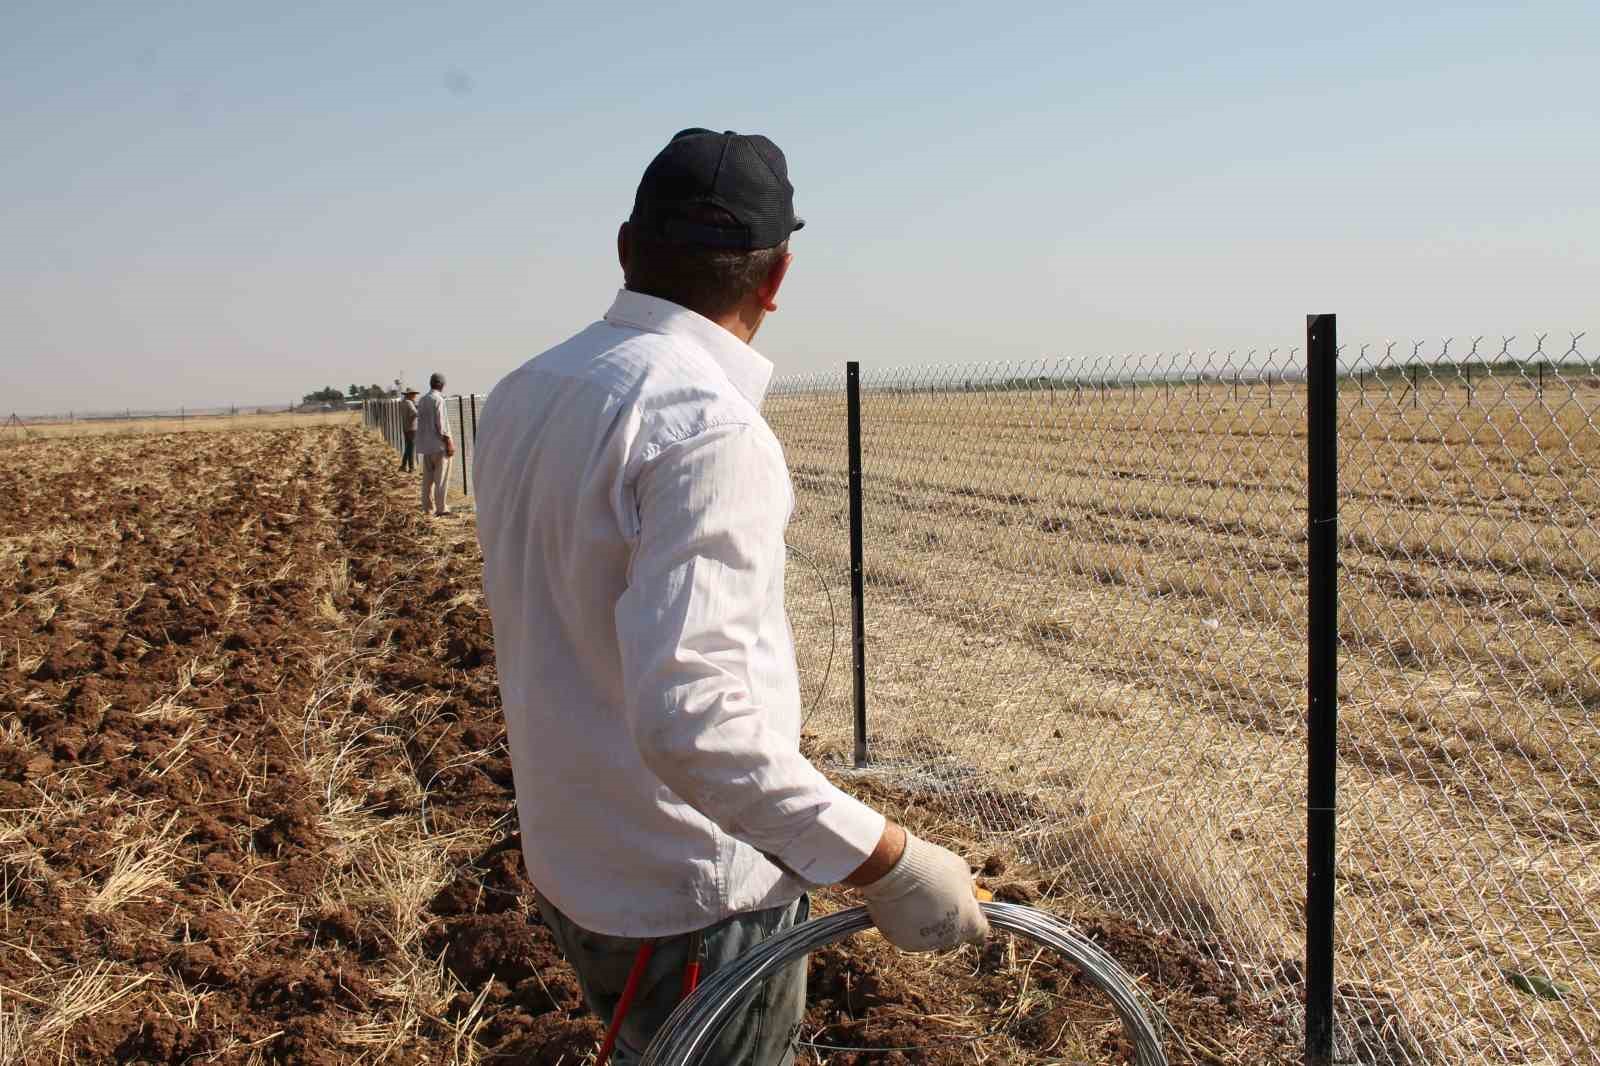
[(747, 368)]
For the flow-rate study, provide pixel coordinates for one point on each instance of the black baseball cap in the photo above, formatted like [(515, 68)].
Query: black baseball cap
[(744, 174)]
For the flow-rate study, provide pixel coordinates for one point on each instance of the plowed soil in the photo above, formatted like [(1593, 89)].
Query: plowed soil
[(255, 806)]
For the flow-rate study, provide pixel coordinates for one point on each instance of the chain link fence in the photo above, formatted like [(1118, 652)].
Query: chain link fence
[(1470, 734), (1085, 611), (1085, 618)]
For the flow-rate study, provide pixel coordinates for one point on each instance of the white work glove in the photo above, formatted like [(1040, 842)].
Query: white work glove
[(925, 901)]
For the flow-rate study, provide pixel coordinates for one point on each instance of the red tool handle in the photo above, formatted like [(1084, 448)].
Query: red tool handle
[(641, 962), (691, 972), (691, 978)]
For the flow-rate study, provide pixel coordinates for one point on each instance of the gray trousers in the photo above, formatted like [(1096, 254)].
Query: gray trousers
[(435, 479), (761, 1033)]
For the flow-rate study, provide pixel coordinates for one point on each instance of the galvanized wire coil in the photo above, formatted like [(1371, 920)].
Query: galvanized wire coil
[(691, 1030)]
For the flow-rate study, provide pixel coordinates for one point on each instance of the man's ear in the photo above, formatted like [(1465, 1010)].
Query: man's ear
[(622, 247), (769, 288)]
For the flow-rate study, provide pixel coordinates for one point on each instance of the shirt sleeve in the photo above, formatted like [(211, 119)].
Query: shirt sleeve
[(440, 418), (711, 512)]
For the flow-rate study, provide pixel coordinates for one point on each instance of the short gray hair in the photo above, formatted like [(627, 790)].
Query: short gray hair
[(710, 281)]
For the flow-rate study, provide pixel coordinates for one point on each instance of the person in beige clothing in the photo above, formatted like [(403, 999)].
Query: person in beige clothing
[(434, 446)]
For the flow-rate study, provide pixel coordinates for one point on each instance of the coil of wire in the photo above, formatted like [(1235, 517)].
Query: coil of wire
[(692, 1029)]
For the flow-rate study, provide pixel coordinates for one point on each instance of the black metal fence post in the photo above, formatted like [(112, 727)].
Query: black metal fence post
[(858, 626), (1322, 676), (461, 420), (472, 402)]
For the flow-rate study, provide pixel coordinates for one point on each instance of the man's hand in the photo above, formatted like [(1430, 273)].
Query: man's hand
[(449, 448), (924, 902)]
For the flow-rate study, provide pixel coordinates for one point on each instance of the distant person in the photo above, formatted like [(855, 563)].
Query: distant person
[(408, 427), (434, 446), (631, 508)]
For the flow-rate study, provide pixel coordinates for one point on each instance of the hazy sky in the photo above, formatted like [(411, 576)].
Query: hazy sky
[(212, 202)]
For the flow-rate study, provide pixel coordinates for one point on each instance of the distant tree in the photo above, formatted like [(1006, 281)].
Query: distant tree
[(330, 394)]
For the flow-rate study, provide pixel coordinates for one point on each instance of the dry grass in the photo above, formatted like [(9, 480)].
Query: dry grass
[(140, 871), (125, 427), (354, 744), (1086, 624), (39, 1024), (377, 855)]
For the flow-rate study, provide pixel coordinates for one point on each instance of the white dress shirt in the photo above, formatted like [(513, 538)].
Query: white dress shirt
[(631, 509), (433, 423)]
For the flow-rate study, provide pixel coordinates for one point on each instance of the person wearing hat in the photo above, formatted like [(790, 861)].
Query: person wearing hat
[(631, 508), (408, 427)]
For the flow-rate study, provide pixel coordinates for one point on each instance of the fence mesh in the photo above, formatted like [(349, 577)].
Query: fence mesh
[(1069, 573), (808, 413), (1085, 618), (1470, 743)]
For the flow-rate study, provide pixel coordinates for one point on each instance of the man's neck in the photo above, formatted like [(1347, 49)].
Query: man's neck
[(745, 321), (742, 322), (735, 323)]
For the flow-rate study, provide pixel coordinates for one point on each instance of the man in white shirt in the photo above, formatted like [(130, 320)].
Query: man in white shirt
[(631, 510), (434, 446)]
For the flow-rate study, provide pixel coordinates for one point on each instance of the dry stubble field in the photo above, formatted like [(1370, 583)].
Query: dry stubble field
[(255, 806), (1085, 629), (139, 427)]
